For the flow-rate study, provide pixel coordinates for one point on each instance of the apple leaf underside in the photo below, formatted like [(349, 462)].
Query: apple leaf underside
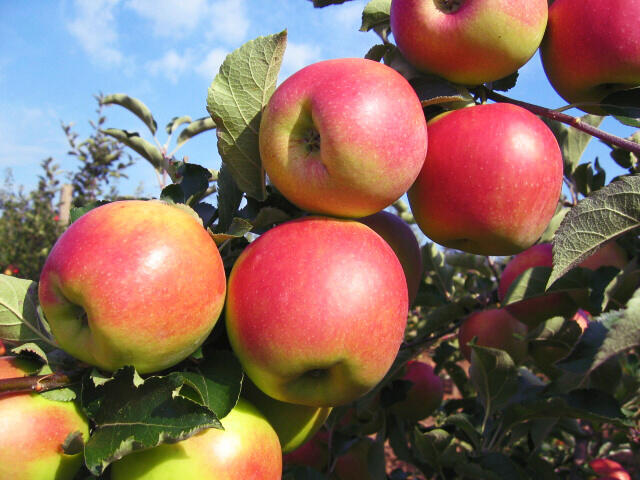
[(235, 105), (608, 213), (129, 417), (135, 106), (197, 126), (142, 147), (375, 14)]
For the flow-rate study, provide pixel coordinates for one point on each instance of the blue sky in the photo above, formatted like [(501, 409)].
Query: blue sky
[(54, 56)]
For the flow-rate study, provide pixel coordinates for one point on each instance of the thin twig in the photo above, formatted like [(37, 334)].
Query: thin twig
[(34, 383)]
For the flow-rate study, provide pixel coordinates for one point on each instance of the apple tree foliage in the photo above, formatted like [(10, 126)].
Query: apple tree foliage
[(499, 420)]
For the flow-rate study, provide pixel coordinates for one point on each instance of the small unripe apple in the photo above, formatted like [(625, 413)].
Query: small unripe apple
[(305, 301), (398, 234), (33, 430), (344, 137), (591, 49), (468, 41), (491, 180), (494, 328), (247, 448), (133, 283), (425, 394)]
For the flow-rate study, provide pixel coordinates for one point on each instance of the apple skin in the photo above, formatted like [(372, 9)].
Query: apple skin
[(354, 464), (609, 469), (294, 424), (591, 49), (33, 430), (247, 448), (129, 266), (343, 137), (304, 301), (534, 310), (494, 328), (490, 182), (398, 234), (313, 453), (424, 396), (610, 254), (472, 41)]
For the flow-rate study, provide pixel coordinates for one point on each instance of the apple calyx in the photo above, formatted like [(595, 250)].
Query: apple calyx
[(311, 140), (448, 6)]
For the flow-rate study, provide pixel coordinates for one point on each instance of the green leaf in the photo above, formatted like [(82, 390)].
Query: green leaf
[(135, 106), (229, 199), (130, 417), (19, 318), (625, 158), (608, 213), (138, 144), (326, 3), (239, 228), (624, 103), (463, 423), (554, 224), (431, 445), (495, 376), (506, 83), (236, 98), (60, 395), (375, 14), (176, 122), (217, 380), (502, 465), (629, 121), (434, 90), (31, 349), (77, 212), (572, 141), (198, 126), (589, 178), (193, 182), (377, 52)]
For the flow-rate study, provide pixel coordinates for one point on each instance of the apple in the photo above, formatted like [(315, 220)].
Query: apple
[(2, 349), (313, 453), (490, 182), (591, 49), (494, 328), (133, 283), (354, 464), (398, 234), (247, 448), (468, 41), (609, 469), (344, 137), (425, 394), (33, 430), (294, 424), (610, 254), (534, 310), (316, 310)]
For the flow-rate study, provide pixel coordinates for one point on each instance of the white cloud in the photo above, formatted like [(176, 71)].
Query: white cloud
[(171, 17), (95, 28), (209, 67), (297, 56), (172, 65), (228, 21)]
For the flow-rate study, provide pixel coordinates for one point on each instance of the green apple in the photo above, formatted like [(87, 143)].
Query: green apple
[(424, 395), (316, 310), (468, 41), (247, 448), (494, 328), (591, 49), (133, 283), (294, 424), (344, 137), (33, 430), (491, 180), (398, 234)]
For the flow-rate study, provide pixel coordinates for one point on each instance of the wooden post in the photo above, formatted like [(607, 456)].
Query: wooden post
[(64, 207)]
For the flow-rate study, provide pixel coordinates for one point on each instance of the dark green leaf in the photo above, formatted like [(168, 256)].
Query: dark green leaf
[(326, 3), (135, 106), (138, 144), (193, 182), (377, 52), (77, 212), (198, 126), (623, 103), (502, 465), (375, 14), (506, 83), (434, 90), (236, 98), (609, 212), (302, 473), (463, 423), (238, 229), (589, 178), (495, 376), (431, 445), (229, 198)]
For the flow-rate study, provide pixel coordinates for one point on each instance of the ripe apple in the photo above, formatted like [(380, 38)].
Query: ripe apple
[(247, 448), (424, 396), (468, 41), (534, 310), (398, 234), (490, 182), (591, 49), (33, 430), (316, 310), (609, 469), (354, 464), (610, 254), (343, 137), (133, 283), (313, 453), (294, 424), (494, 328)]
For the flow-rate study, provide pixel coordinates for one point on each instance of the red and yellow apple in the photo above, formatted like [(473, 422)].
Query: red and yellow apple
[(490, 182), (425, 394), (316, 310), (133, 283), (398, 234), (343, 137), (247, 448), (591, 49), (33, 430), (468, 41), (494, 328)]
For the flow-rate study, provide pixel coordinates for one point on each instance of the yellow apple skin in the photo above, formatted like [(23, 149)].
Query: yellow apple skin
[(247, 448), (33, 430)]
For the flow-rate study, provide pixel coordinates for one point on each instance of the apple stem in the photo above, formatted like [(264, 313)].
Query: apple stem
[(566, 119), (34, 383)]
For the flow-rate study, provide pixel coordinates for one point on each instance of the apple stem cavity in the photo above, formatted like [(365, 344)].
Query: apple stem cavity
[(448, 6)]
